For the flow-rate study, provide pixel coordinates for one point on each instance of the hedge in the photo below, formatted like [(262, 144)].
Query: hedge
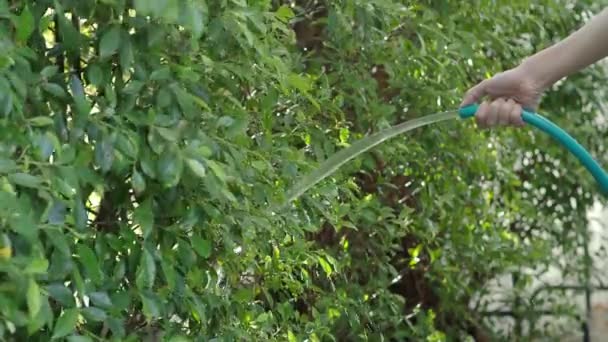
[(144, 143)]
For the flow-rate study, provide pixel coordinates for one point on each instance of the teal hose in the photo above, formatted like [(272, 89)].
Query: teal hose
[(561, 136)]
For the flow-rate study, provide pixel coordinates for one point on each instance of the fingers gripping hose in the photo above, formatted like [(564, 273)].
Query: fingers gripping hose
[(562, 137)]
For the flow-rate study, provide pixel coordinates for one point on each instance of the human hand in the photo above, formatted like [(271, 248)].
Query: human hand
[(508, 92)]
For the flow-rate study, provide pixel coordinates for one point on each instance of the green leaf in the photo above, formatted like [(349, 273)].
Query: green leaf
[(170, 13), (25, 25), (45, 23), (169, 272), (186, 102), (159, 7), (19, 85), (163, 98), (21, 219), (101, 299), (196, 167), (110, 42), (146, 274), (169, 134), (204, 152), (126, 53), (144, 7), (299, 82), (239, 127), (104, 154), (57, 213), (61, 265), (33, 298), (134, 87), (6, 248), (58, 239), (117, 326), (119, 270), (78, 281), (138, 182), (325, 265), (94, 314), (7, 165), (65, 187), (170, 167), (127, 145), (95, 75), (41, 121), (55, 90), (225, 121), (46, 143), (49, 71), (69, 35), (179, 338), (37, 266), (259, 165), (66, 323), (217, 169), (244, 295), (161, 74), (192, 16), (83, 107), (80, 214), (144, 217), (79, 338), (44, 317), (6, 104), (147, 163), (285, 13), (88, 259), (291, 337), (186, 256), (155, 142), (25, 179), (151, 305), (6, 62), (76, 88), (62, 294), (201, 246), (121, 300), (45, 146)]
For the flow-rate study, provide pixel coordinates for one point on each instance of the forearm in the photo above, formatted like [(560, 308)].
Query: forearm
[(582, 48)]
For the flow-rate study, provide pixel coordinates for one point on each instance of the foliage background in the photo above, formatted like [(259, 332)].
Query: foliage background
[(144, 141)]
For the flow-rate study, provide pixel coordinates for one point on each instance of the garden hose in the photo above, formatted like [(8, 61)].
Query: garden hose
[(562, 137)]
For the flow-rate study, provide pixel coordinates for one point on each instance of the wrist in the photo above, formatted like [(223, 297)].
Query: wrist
[(539, 72)]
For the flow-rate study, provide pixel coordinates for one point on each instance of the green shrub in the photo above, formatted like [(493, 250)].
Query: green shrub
[(144, 141)]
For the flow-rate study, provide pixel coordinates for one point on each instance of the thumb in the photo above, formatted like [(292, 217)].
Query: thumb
[(475, 94)]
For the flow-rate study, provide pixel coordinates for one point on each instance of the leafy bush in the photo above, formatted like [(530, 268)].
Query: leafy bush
[(144, 142)]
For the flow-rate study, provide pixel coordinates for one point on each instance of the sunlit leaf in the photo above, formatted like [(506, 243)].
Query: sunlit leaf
[(109, 43), (138, 182), (25, 25), (33, 298), (66, 323), (25, 179), (201, 246), (144, 217), (196, 167)]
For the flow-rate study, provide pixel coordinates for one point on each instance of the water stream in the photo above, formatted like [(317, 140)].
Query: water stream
[(338, 159)]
